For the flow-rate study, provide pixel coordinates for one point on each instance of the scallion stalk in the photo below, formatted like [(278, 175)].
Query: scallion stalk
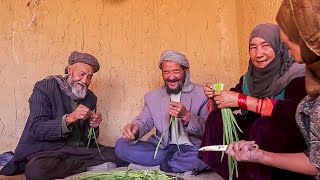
[(230, 133), (91, 132), (172, 122)]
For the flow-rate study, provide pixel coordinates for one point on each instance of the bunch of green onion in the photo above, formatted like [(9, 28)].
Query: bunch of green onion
[(173, 123), (91, 132), (127, 175), (230, 133)]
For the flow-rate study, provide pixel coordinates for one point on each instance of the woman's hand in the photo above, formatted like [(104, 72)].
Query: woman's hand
[(245, 151), (225, 99)]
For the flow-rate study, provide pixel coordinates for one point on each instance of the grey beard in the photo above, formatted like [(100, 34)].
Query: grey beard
[(79, 94)]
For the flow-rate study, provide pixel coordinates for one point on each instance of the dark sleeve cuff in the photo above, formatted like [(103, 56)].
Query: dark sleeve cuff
[(65, 129)]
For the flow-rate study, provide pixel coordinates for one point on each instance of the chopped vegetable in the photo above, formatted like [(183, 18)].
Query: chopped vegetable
[(230, 133)]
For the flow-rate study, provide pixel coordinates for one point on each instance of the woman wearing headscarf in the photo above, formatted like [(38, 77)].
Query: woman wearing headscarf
[(299, 21), (267, 97)]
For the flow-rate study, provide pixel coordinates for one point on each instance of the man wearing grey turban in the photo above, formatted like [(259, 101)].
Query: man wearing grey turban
[(178, 99), (54, 140)]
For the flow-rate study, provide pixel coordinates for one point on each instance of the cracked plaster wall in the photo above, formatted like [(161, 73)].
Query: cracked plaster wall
[(127, 36)]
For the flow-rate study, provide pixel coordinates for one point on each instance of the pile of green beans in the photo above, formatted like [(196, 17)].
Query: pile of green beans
[(128, 175)]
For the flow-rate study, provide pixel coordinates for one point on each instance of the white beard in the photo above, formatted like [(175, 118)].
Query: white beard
[(79, 94)]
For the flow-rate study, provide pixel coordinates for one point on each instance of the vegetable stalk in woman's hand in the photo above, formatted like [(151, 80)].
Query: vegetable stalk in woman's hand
[(230, 133)]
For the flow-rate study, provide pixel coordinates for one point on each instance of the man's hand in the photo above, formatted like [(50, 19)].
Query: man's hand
[(81, 112), (207, 89), (178, 110), (95, 119), (130, 131)]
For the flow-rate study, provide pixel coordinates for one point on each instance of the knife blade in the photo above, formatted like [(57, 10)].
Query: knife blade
[(214, 148)]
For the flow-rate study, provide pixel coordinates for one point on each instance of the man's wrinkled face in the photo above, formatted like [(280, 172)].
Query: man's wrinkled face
[(261, 52), (79, 78), (173, 75)]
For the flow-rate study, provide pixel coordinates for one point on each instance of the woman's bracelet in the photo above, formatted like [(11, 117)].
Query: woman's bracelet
[(257, 106), (242, 101)]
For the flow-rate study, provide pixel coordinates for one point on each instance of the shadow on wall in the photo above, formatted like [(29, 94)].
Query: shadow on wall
[(113, 1)]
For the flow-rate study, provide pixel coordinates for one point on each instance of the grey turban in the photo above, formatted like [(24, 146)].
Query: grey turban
[(76, 57), (175, 56)]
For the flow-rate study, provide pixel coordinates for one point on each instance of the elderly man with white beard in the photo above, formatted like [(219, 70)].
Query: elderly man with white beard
[(54, 140)]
